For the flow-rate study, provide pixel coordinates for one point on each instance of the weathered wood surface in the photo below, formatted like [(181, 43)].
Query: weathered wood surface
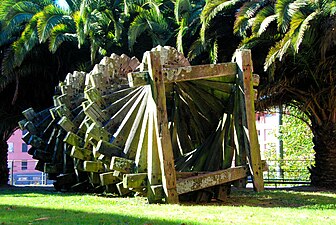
[(113, 137), (138, 180), (210, 179), (164, 149), (108, 178), (186, 73), (244, 62), (121, 164)]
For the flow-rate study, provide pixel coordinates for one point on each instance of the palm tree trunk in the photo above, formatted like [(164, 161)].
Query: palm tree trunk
[(4, 171), (323, 174)]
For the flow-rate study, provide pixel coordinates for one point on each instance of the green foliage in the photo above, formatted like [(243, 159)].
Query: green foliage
[(298, 152)]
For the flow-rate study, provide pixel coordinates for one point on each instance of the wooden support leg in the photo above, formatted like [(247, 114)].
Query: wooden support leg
[(165, 149), (245, 69)]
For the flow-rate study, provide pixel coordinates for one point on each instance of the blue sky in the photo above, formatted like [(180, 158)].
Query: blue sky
[(62, 3)]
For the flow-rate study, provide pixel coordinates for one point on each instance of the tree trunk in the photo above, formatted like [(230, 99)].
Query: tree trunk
[(323, 174), (4, 171)]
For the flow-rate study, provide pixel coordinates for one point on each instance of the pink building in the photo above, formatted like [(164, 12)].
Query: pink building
[(20, 163)]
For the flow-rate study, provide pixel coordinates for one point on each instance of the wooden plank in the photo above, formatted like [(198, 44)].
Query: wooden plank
[(118, 175), (122, 191), (93, 95), (128, 122), (94, 178), (153, 164), (121, 164), (133, 139), (184, 175), (73, 139), (138, 180), (224, 87), (210, 179), (93, 166), (29, 114), (142, 147), (80, 153), (108, 178), (158, 192), (165, 149), (66, 124), (245, 70), (36, 141), (108, 149), (97, 133), (186, 73)]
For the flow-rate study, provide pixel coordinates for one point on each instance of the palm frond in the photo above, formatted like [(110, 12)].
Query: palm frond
[(50, 17), (7, 66), (244, 15), (21, 7), (155, 25), (265, 24), (253, 41), (182, 9), (181, 31), (74, 5), (9, 34), (59, 34), (214, 52), (282, 8), (212, 9), (278, 51), (304, 26), (27, 40), (5, 7), (196, 49), (332, 7), (79, 28), (262, 19)]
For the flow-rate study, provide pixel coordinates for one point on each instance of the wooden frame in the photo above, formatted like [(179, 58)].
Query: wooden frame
[(158, 76)]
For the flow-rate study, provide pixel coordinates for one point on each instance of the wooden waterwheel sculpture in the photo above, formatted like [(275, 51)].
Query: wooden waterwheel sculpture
[(160, 128)]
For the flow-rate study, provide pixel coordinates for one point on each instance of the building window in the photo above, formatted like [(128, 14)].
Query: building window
[(24, 147), (10, 147), (24, 165)]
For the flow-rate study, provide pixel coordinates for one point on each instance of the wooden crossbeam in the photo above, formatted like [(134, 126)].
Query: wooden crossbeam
[(187, 73), (210, 179)]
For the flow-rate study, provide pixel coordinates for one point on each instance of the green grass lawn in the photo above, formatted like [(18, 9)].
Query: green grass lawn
[(39, 206)]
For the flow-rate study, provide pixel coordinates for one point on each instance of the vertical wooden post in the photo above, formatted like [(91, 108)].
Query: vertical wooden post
[(164, 146), (245, 70)]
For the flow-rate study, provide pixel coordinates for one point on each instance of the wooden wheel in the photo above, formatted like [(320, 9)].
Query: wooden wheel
[(102, 133)]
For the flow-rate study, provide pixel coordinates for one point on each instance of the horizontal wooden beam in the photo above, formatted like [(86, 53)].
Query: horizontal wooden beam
[(210, 179), (108, 178), (138, 180), (121, 164), (187, 73)]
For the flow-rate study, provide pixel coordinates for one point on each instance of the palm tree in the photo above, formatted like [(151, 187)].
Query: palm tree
[(216, 32), (149, 25), (187, 16), (301, 64), (30, 32)]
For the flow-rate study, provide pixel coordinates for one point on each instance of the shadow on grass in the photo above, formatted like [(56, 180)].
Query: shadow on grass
[(21, 190), (285, 198), (10, 214)]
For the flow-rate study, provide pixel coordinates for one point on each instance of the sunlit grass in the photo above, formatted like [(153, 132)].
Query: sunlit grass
[(36, 206)]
